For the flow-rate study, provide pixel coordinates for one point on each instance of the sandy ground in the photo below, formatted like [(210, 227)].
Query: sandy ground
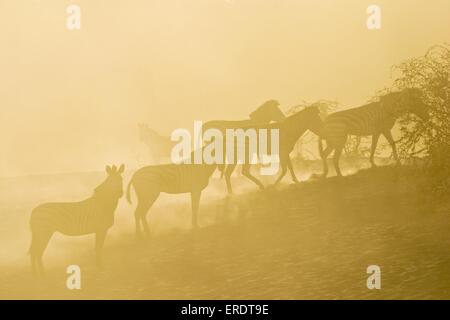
[(312, 240)]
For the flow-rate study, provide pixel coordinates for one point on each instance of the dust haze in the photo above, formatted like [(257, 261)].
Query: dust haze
[(73, 102)]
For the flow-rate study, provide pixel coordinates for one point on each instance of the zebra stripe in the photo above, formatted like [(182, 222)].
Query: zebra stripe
[(148, 182), (73, 219), (171, 178), (93, 215), (263, 115), (374, 119), (290, 130)]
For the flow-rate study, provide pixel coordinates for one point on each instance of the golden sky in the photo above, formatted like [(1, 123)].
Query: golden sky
[(71, 100)]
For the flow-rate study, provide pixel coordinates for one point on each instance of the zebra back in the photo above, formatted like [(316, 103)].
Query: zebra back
[(88, 216)]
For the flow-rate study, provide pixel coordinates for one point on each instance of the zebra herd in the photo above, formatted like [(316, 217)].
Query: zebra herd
[(96, 214)]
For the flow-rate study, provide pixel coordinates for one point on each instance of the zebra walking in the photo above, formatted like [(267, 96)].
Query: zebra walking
[(93, 215), (290, 130), (148, 182), (263, 115), (374, 119)]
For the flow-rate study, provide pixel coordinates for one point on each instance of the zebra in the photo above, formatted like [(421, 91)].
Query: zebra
[(373, 119), (148, 182), (159, 146), (290, 130), (263, 115), (93, 215)]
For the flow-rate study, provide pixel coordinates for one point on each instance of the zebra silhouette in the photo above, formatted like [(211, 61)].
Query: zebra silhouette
[(158, 146), (148, 182), (93, 215), (290, 130), (374, 119), (263, 115)]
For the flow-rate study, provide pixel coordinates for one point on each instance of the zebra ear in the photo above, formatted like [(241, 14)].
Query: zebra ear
[(121, 169), (114, 169), (108, 170)]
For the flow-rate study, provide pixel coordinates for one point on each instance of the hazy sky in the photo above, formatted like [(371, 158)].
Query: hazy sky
[(71, 100)]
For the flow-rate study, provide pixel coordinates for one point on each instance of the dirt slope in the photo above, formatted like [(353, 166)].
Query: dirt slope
[(312, 240)]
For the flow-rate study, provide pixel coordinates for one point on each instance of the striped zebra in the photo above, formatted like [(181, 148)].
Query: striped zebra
[(263, 115), (93, 215), (158, 146), (290, 130), (373, 119), (148, 182)]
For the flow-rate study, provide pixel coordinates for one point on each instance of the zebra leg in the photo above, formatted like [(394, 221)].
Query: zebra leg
[(99, 242), (33, 255), (38, 246), (195, 202), (151, 200), (337, 155), (137, 219), (144, 216), (390, 139), (228, 171), (283, 172), (375, 138), (291, 169), (246, 173), (324, 154), (140, 214)]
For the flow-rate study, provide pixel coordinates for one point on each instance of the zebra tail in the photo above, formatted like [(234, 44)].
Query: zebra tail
[(128, 191)]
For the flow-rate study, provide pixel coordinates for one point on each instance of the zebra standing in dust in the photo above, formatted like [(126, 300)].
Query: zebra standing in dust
[(158, 146), (93, 215), (374, 119), (290, 130), (150, 181)]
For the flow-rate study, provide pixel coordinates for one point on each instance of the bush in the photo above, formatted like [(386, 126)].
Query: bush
[(430, 139)]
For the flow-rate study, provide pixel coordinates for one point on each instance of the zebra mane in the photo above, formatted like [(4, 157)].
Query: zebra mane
[(395, 99), (100, 188)]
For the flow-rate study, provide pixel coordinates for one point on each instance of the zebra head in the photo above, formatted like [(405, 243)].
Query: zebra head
[(414, 103), (146, 133), (407, 100), (112, 187), (268, 111)]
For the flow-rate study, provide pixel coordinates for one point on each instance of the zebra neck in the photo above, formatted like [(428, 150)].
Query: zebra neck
[(295, 131), (392, 111)]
